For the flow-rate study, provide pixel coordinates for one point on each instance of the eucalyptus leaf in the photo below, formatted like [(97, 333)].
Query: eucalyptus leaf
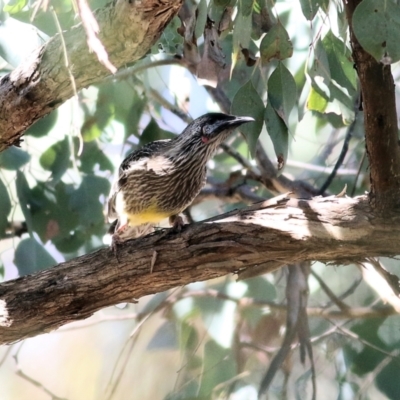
[(340, 62), (153, 132), (56, 159), (23, 193), (282, 92), (279, 134), (316, 101), (276, 44), (201, 18), (376, 24), (311, 7), (43, 126), (85, 200), (13, 158), (31, 256), (5, 208), (215, 355), (247, 102)]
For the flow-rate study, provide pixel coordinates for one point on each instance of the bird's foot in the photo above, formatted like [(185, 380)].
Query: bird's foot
[(115, 241), (177, 223)]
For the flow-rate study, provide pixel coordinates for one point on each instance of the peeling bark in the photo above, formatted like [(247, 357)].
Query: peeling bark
[(42, 82), (270, 234)]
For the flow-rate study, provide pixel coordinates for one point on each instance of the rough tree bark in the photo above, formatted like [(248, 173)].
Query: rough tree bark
[(381, 132), (264, 236), (128, 29)]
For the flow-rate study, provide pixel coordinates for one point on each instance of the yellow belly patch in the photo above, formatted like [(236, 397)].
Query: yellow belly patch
[(147, 216)]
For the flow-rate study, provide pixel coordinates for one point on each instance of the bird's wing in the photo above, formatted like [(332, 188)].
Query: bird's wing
[(136, 159)]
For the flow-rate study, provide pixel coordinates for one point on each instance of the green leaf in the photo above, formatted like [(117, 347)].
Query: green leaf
[(276, 44), (221, 3), (5, 208), (282, 92), (153, 132), (376, 24), (189, 338), (14, 6), (170, 41), (320, 65), (260, 288), (311, 7), (85, 200), (56, 159), (316, 102), (279, 134), (241, 33), (52, 216), (94, 123), (388, 332), (43, 126), (246, 7), (30, 256), (70, 243), (223, 367), (92, 156), (201, 18), (23, 193), (13, 158), (247, 102), (340, 62), (387, 380), (341, 104), (367, 359)]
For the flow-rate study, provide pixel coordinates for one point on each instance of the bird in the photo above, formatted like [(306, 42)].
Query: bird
[(161, 179)]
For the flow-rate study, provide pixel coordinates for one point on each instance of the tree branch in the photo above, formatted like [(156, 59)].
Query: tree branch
[(379, 105), (39, 85), (276, 232)]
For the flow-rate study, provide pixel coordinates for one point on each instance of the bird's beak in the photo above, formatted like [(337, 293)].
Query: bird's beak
[(229, 123)]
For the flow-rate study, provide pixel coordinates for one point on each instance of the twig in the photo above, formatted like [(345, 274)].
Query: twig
[(67, 64), (137, 69), (342, 155), (342, 306), (319, 168), (34, 382), (353, 335), (369, 379)]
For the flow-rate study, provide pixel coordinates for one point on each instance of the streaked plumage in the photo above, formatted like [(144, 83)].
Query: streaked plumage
[(162, 178)]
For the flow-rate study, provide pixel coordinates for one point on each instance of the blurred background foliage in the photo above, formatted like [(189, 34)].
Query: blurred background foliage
[(288, 64)]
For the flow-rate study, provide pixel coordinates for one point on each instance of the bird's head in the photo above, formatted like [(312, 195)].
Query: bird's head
[(201, 137), (212, 129)]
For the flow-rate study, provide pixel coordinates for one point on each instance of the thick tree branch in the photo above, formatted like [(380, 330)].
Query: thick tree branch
[(277, 232), (379, 105), (128, 29)]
